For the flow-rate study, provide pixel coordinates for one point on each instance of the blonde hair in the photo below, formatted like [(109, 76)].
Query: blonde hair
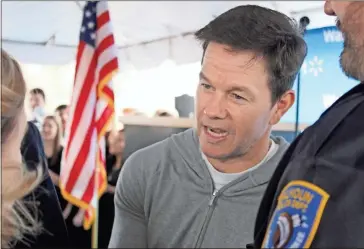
[(58, 139), (17, 218)]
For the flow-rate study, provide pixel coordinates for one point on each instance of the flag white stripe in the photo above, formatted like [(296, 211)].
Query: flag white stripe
[(85, 61), (101, 105), (101, 7), (83, 68), (87, 170), (103, 32), (106, 56), (102, 146), (81, 129)]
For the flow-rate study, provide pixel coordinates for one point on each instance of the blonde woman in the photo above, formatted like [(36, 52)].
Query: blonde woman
[(17, 220), (23, 222), (52, 136)]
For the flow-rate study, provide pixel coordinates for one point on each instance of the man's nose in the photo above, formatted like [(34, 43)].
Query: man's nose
[(216, 108), (328, 8)]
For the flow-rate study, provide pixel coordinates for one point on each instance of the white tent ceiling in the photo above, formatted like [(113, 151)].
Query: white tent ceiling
[(146, 32)]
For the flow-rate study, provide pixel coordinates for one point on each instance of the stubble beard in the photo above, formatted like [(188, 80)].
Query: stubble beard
[(352, 56)]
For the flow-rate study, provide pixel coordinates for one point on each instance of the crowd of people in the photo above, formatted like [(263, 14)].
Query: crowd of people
[(224, 183), (52, 130)]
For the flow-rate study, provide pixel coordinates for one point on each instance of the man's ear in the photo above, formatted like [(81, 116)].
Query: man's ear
[(282, 106)]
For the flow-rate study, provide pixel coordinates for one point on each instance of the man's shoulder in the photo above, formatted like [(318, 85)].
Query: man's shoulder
[(155, 155)]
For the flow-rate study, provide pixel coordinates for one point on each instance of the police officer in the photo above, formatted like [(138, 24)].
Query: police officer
[(316, 196)]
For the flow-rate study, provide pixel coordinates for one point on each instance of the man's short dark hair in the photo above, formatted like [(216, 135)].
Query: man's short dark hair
[(61, 108), (267, 33), (37, 91)]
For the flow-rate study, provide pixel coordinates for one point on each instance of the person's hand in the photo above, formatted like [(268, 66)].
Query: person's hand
[(67, 211), (110, 189), (54, 177)]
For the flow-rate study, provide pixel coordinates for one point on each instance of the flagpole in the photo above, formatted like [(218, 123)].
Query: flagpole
[(304, 22), (95, 226)]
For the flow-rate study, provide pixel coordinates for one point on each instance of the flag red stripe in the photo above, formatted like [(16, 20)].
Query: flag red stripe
[(108, 92), (104, 118), (108, 67), (80, 49), (81, 158), (87, 196), (87, 215), (81, 103), (105, 44), (102, 159), (102, 19)]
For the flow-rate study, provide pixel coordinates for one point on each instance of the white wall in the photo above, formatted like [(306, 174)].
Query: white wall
[(146, 90)]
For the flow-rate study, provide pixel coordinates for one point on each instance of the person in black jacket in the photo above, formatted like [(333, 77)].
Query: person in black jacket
[(315, 198), (54, 229)]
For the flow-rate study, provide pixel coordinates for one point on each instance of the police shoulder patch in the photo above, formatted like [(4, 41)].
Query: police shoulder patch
[(297, 216)]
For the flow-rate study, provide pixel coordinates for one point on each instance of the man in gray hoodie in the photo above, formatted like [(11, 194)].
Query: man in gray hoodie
[(202, 187)]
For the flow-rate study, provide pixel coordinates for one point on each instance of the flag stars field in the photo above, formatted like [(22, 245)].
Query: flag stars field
[(90, 25)]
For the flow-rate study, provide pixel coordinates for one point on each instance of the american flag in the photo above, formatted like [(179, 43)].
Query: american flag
[(91, 112)]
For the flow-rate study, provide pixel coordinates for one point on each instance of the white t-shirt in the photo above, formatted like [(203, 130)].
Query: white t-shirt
[(221, 179)]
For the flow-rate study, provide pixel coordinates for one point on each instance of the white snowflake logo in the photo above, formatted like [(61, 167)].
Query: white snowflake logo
[(304, 68), (316, 66)]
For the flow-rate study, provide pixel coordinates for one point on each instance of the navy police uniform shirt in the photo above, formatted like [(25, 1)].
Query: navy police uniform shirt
[(315, 198)]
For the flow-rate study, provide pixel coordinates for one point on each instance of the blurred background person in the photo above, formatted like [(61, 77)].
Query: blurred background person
[(166, 113), (132, 112), (37, 105), (52, 135), (24, 215), (116, 144), (114, 163), (62, 112)]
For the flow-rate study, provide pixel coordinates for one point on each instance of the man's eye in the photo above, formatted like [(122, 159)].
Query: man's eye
[(206, 86), (237, 97)]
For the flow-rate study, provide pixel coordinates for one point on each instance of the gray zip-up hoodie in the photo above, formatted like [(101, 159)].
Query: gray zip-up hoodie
[(164, 199)]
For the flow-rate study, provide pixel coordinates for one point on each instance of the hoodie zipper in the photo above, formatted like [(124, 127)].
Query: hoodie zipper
[(211, 206), (214, 194), (207, 218)]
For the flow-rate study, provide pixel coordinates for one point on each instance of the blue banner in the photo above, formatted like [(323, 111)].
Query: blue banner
[(322, 80)]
